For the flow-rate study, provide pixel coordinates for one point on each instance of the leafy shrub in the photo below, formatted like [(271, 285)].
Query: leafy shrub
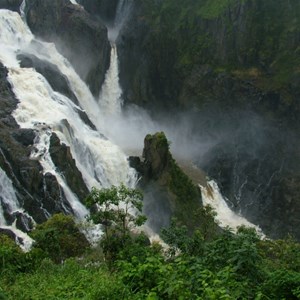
[(59, 238)]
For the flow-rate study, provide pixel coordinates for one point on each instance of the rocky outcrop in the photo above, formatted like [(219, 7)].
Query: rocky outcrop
[(168, 191), (79, 37), (11, 4)]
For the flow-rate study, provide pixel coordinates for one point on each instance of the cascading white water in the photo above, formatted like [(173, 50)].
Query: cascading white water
[(74, 2), (110, 99), (212, 196), (22, 10), (41, 153), (101, 163), (7, 196), (9, 199), (97, 157)]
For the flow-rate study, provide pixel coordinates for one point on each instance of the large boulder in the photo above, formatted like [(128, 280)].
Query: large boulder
[(78, 36)]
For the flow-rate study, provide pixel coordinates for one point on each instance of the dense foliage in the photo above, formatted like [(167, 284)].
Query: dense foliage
[(220, 265), (59, 238)]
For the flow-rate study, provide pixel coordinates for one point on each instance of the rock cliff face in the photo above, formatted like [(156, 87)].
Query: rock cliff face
[(10, 4), (235, 64), (105, 9), (192, 54), (78, 36)]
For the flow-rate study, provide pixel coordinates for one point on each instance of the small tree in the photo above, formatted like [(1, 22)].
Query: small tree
[(119, 210)]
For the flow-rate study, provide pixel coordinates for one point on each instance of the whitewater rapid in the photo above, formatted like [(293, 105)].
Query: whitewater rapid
[(225, 217)]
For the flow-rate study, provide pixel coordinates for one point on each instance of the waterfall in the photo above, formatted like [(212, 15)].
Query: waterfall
[(22, 10), (110, 98), (40, 108), (212, 196), (41, 153), (8, 199)]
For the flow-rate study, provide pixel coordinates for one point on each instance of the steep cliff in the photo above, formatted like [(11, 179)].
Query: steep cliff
[(235, 64), (79, 37), (178, 46)]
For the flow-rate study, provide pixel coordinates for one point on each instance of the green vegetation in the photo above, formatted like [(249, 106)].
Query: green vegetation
[(59, 238), (223, 266), (120, 212)]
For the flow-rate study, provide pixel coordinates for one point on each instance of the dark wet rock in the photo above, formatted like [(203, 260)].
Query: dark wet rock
[(11, 4), (23, 221), (156, 154), (24, 136), (55, 78), (84, 117), (105, 9), (62, 158), (54, 198), (78, 36)]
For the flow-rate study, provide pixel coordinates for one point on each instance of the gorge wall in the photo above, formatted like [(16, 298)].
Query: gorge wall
[(234, 67)]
